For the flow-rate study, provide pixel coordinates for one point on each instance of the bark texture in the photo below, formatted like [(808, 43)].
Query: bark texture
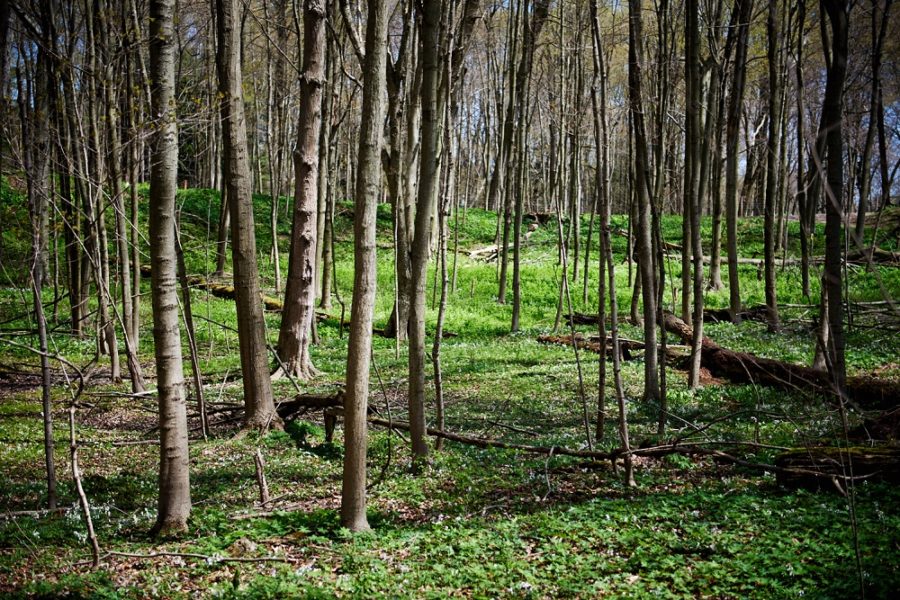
[(174, 484), (295, 336), (258, 401), (368, 192)]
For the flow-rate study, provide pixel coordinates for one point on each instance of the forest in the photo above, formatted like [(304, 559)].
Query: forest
[(449, 298)]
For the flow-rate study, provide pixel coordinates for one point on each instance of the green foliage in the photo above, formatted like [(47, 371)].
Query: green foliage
[(477, 522)]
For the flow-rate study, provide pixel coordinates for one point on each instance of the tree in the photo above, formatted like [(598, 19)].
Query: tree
[(174, 483), (773, 31), (299, 299), (732, 128), (878, 32), (34, 110), (433, 103), (533, 29), (693, 204), (641, 189), (259, 407), (368, 191), (838, 15)]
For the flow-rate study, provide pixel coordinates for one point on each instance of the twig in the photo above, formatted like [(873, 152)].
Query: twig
[(513, 428), (209, 559), (261, 477), (82, 497)]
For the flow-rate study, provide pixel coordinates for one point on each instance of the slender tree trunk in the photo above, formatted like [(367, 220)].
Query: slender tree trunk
[(174, 484), (396, 326), (34, 112), (732, 130), (644, 233), (223, 230), (838, 16), (300, 295), (692, 201), (368, 192), (433, 104), (117, 201), (802, 179), (773, 30), (602, 179), (259, 407), (878, 33), (719, 77)]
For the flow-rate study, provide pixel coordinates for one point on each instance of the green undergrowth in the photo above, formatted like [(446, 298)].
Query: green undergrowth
[(476, 523)]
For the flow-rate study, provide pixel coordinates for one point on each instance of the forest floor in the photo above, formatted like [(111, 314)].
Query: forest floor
[(474, 522)]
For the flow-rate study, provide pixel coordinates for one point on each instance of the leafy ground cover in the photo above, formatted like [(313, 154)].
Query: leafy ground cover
[(476, 523)]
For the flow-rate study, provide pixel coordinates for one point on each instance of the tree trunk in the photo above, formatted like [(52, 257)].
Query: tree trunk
[(368, 192), (838, 15), (865, 184), (433, 103), (259, 405), (300, 295), (174, 484), (693, 202), (34, 112), (644, 233), (773, 33), (732, 129), (802, 182)]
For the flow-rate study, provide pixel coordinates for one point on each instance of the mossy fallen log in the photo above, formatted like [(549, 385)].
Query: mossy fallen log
[(834, 465), (220, 290), (743, 367)]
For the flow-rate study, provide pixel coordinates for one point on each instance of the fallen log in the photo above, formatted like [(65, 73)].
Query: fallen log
[(759, 313), (491, 443), (882, 426), (743, 367), (616, 453), (710, 315), (593, 344), (801, 465), (590, 344), (876, 256), (220, 290), (303, 403)]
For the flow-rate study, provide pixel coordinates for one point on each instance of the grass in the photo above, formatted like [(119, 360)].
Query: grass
[(477, 523)]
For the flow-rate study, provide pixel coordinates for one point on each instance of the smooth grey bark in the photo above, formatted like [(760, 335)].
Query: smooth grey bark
[(294, 338), (368, 192), (174, 505), (259, 407)]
